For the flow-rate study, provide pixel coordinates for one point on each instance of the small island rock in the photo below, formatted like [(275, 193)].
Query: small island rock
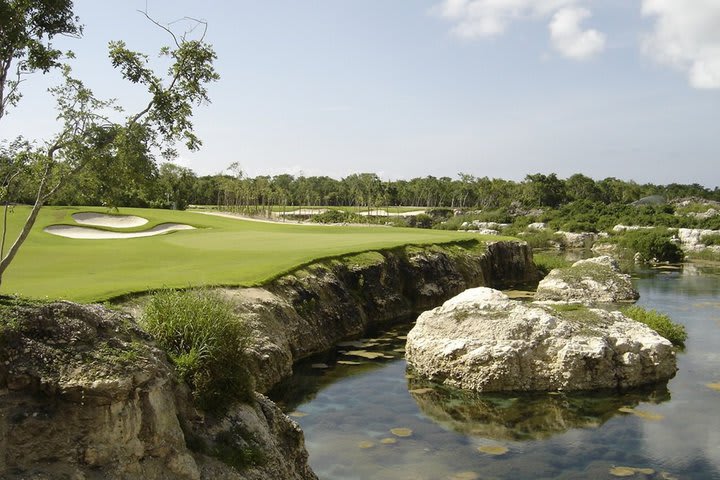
[(595, 280), (481, 340)]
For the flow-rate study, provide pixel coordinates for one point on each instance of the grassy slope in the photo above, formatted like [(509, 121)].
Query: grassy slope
[(222, 252)]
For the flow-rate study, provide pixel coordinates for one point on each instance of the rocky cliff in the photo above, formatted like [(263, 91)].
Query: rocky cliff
[(312, 309), (84, 394)]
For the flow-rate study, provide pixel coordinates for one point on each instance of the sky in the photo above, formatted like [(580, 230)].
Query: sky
[(497, 88)]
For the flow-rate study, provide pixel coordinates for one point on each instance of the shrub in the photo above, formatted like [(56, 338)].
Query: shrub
[(206, 340), (542, 238), (652, 244), (547, 261), (712, 239), (659, 322)]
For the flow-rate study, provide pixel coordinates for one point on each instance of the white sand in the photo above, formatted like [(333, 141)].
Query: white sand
[(111, 221), (95, 234)]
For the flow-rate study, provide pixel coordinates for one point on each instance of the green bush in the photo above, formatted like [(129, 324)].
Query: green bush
[(337, 216), (652, 244), (713, 239), (542, 238), (659, 322), (206, 340), (547, 261)]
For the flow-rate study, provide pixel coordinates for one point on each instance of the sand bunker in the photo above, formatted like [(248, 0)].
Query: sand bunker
[(112, 221), (95, 234)]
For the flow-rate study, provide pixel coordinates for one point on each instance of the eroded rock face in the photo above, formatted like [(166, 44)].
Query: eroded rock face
[(84, 394), (310, 311), (481, 340), (595, 280)]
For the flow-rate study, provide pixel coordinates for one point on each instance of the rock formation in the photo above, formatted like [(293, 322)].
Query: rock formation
[(591, 281), (309, 311), (84, 394), (481, 340)]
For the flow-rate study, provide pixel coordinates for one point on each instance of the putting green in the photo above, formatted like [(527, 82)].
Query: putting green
[(220, 251)]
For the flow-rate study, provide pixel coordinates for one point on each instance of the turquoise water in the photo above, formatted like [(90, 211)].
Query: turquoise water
[(347, 410)]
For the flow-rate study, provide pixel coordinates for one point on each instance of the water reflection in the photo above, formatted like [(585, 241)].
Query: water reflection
[(527, 416)]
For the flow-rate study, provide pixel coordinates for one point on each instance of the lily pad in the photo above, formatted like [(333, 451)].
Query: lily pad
[(297, 414), (401, 432), (388, 441), (366, 444), (496, 450), (421, 391), (365, 354), (630, 471), (353, 343), (320, 366), (622, 472), (464, 476), (348, 362), (644, 414), (714, 386)]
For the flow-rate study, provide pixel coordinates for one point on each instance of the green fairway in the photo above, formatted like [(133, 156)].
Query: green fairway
[(221, 251)]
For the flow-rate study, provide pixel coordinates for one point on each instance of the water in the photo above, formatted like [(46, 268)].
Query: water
[(347, 410)]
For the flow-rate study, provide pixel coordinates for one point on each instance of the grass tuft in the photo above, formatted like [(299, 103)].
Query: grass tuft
[(206, 340), (659, 322)]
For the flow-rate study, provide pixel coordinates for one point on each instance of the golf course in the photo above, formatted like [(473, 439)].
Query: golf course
[(215, 251)]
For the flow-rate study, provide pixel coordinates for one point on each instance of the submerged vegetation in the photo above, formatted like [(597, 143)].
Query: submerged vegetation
[(206, 340), (659, 322)]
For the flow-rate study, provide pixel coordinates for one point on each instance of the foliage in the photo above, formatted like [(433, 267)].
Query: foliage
[(712, 239), (659, 322), (651, 244), (206, 340), (27, 29), (337, 216), (542, 238), (545, 262)]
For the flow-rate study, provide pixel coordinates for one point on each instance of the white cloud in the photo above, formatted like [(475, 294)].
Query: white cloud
[(686, 36), (487, 18), (569, 39)]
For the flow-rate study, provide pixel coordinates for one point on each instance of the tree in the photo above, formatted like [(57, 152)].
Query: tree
[(27, 28), (90, 132)]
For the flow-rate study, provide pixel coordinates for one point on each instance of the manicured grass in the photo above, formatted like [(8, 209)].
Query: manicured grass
[(222, 251)]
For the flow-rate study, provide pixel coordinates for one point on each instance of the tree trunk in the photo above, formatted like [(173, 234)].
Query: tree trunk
[(5, 263)]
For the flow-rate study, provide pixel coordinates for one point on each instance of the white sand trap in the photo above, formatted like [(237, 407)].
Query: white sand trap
[(95, 234), (112, 221)]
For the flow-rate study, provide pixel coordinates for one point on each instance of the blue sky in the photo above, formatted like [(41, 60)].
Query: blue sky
[(503, 88)]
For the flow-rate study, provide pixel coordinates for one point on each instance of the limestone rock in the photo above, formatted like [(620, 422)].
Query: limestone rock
[(481, 340), (85, 394), (595, 280), (577, 240), (691, 239)]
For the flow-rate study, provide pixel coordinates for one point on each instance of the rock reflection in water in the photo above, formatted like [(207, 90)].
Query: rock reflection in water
[(524, 416)]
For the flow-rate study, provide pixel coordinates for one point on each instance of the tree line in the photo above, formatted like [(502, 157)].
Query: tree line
[(173, 186)]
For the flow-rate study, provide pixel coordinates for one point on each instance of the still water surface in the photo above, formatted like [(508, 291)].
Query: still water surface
[(348, 410)]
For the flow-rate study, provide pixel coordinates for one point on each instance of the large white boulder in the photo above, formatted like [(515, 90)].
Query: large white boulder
[(481, 340), (595, 280)]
